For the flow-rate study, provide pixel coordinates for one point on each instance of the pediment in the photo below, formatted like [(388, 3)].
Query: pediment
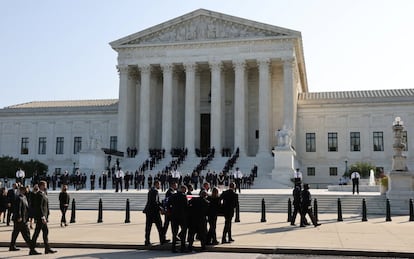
[(203, 25)]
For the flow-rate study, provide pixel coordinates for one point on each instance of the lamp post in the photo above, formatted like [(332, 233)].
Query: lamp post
[(109, 161), (346, 166), (74, 164)]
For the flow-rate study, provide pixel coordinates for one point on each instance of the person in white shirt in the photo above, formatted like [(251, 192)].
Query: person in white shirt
[(175, 175), (355, 181), (238, 176), (297, 176), (119, 175), (20, 175)]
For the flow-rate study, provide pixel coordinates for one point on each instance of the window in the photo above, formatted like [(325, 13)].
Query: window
[(113, 142), (332, 141), (24, 148), (42, 146), (311, 171), (378, 141), (333, 171), (58, 171), (405, 140), (59, 145), (355, 141), (310, 142), (77, 144)]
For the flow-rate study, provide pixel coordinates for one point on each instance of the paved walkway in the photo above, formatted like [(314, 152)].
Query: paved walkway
[(376, 237)]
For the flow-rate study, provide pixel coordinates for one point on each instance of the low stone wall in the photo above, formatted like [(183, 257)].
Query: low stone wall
[(348, 188)]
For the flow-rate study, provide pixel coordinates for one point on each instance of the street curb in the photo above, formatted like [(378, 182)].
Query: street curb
[(223, 249)]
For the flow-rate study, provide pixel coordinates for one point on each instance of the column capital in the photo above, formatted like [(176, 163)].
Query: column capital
[(288, 61), (145, 68), (122, 69), (167, 67), (263, 62), (190, 66), (215, 65), (239, 64)]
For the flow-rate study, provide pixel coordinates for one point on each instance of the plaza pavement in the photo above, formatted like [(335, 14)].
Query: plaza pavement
[(376, 237)]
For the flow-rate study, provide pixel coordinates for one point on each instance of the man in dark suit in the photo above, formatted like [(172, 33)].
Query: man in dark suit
[(178, 206), (172, 190), (41, 214), (20, 219), (306, 207), (11, 198), (229, 200), (152, 212), (198, 209), (296, 202)]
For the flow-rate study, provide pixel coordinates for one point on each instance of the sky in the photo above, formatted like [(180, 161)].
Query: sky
[(59, 49)]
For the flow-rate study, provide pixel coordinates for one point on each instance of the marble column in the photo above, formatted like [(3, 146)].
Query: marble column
[(190, 105), (264, 106), (288, 87), (216, 106), (144, 131), (167, 109), (122, 107), (240, 106)]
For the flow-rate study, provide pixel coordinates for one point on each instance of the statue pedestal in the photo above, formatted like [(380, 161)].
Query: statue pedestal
[(284, 166), (401, 189), (92, 160)]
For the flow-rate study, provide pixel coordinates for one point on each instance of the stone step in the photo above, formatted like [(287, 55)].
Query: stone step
[(277, 203)]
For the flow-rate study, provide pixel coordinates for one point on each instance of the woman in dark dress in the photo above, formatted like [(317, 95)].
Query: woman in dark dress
[(214, 200), (64, 199), (3, 203), (30, 199)]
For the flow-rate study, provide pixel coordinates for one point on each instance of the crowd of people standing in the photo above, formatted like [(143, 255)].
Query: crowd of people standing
[(190, 215)]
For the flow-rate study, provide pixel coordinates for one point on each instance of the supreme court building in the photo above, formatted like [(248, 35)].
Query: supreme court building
[(207, 79)]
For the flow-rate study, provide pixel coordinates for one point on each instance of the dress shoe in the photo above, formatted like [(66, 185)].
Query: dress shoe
[(316, 225), (50, 251), (302, 226), (34, 252), (165, 241), (225, 242), (14, 248), (147, 243), (215, 243), (231, 240)]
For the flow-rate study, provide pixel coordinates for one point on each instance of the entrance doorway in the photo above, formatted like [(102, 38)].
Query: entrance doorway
[(205, 133)]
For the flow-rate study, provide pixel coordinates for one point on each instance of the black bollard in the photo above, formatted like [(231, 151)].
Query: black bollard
[(289, 218), (127, 212), (263, 211), (364, 210), (73, 212), (388, 216), (339, 210), (100, 211), (315, 209), (411, 211), (237, 219)]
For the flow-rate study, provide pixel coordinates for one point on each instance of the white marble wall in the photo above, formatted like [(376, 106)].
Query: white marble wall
[(366, 117)]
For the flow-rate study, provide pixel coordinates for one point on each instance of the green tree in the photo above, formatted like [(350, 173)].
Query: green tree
[(363, 168), (9, 165)]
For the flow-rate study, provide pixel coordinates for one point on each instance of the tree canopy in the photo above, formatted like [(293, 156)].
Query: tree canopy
[(9, 166)]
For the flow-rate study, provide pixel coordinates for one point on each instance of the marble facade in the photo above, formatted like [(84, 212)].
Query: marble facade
[(207, 79)]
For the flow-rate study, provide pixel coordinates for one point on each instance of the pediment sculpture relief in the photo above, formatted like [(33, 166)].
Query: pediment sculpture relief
[(204, 28)]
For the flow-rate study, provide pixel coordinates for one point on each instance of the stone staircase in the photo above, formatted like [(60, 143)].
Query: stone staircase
[(276, 203)]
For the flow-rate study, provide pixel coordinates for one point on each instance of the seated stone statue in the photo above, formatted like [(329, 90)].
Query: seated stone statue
[(284, 137)]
